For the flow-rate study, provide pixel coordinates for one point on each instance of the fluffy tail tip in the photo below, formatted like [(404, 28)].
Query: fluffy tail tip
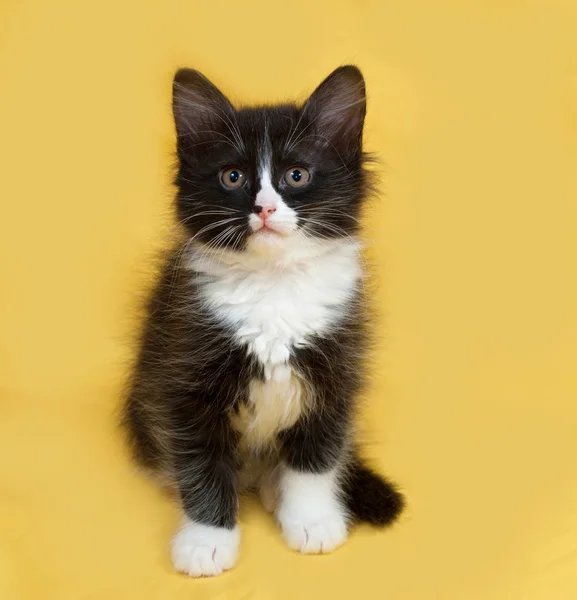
[(371, 498)]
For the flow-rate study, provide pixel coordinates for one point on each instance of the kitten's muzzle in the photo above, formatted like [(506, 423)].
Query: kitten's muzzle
[(264, 212)]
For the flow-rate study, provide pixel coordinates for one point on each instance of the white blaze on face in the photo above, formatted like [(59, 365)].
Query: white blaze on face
[(280, 224)]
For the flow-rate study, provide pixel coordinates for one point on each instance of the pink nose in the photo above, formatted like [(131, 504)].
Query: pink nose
[(264, 212)]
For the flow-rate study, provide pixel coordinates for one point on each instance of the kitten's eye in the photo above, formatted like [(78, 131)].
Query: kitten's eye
[(232, 178), (297, 177)]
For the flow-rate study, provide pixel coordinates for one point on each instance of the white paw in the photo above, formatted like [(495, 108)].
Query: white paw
[(310, 514), (320, 536), (203, 551)]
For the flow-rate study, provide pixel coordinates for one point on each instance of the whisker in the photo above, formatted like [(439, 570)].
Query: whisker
[(327, 209), (214, 225)]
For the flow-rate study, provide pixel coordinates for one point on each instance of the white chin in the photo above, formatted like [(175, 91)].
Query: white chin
[(267, 242)]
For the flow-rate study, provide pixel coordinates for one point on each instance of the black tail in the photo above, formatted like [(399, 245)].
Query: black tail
[(370, 498)]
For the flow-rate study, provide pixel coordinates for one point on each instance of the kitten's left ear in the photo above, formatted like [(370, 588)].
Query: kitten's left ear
[(337, 108), (199, 106)]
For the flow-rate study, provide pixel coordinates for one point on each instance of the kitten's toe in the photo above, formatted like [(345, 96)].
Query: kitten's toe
[(319, 536), (204, 551)]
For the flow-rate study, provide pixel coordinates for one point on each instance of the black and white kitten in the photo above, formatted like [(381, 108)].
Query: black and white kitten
[(252, 356)]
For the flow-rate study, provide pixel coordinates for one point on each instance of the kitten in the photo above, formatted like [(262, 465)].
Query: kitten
[(252, 357)]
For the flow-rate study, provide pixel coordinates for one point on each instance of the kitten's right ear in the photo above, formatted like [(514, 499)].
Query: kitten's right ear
[(197, 104), (337, 108)]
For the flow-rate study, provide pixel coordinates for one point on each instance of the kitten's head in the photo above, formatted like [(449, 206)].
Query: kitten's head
[(270, 180)]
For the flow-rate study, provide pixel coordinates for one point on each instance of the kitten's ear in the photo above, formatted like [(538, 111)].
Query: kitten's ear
[(337, 108), (197, 104)]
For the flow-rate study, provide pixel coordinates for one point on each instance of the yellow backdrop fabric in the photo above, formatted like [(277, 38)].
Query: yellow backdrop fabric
[(472, 407)]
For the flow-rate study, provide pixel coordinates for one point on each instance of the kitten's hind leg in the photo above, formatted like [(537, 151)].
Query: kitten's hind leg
[(261, 476), (268, 490)]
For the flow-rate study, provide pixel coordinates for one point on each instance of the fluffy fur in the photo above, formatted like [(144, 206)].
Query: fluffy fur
[(252, 356)]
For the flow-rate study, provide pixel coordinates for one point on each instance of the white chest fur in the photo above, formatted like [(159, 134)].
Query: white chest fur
[(274, 306)]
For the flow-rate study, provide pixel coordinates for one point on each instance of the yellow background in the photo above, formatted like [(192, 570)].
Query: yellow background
[(473, 110)]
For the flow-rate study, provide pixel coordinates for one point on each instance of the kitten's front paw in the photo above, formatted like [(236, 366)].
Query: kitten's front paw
[(203, 551), (318, 536)]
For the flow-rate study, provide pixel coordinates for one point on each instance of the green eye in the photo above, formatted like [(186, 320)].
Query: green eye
[(297, 177), (232, 178)]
